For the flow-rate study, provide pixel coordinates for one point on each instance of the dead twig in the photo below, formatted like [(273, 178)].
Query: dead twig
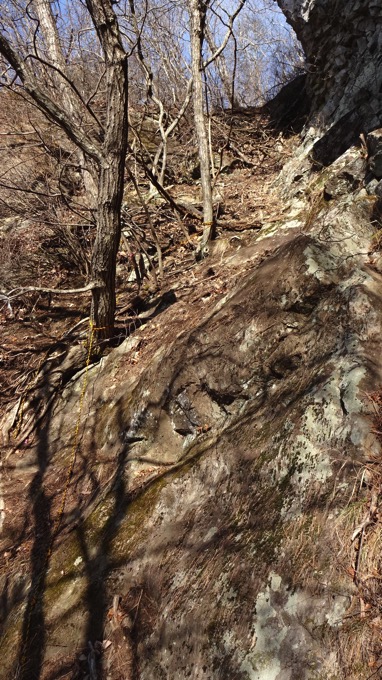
[(16, 292), (369, 519)]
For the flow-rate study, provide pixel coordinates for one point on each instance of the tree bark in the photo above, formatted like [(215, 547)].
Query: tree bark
[(198, 10), (112, 167), (103, 266)]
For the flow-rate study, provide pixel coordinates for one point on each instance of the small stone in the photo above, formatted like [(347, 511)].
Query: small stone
[(371, 186), (374, 141)]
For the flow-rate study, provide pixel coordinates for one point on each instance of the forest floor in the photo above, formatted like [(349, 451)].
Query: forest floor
[(39, 324), (39, 327)]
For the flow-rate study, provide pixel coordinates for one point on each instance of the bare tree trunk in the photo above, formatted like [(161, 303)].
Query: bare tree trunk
[(112, 167), (227, 80), (109, 192), (105, 147), (106, 245), (197, 18), (54, 52)]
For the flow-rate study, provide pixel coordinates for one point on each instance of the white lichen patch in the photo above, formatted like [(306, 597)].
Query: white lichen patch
[(305, 457), (277, 227), (311, 464), (321, 264), (250, 336), (350, 391), (283, 626)]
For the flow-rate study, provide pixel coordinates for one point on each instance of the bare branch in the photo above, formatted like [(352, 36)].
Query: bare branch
[(47, 105), (28, 191), (70, 83), (16, 292), (227, 35)]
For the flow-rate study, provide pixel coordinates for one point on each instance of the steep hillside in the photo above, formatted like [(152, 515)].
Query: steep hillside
[(225, 457), (203, 502)]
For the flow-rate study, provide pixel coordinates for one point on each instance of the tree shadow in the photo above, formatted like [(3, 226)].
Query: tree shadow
[(98, 565), (33, 636), (37, 531), (97, 554)]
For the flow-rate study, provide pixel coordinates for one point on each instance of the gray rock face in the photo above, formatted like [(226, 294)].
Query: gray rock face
[(348, 179), (216, 475), (342, 40), (374, 144)]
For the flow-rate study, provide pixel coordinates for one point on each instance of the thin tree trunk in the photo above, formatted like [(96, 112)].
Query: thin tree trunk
[(197, 15), (226, 78), (106, 245), (110, 196), (66, 94), (109, 192), (111, 167), (105, 147)]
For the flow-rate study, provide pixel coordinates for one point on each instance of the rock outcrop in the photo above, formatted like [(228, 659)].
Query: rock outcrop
[(221, 521), (219, 477), (342, 40)]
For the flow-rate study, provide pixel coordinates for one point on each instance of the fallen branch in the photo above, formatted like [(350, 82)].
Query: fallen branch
[(178, 207), (73, 328), (15, 292), (5, 299), (242, 156)]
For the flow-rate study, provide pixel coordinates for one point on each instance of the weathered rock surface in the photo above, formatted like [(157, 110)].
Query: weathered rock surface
[(216, 470), (342, 41), (221, 522)]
